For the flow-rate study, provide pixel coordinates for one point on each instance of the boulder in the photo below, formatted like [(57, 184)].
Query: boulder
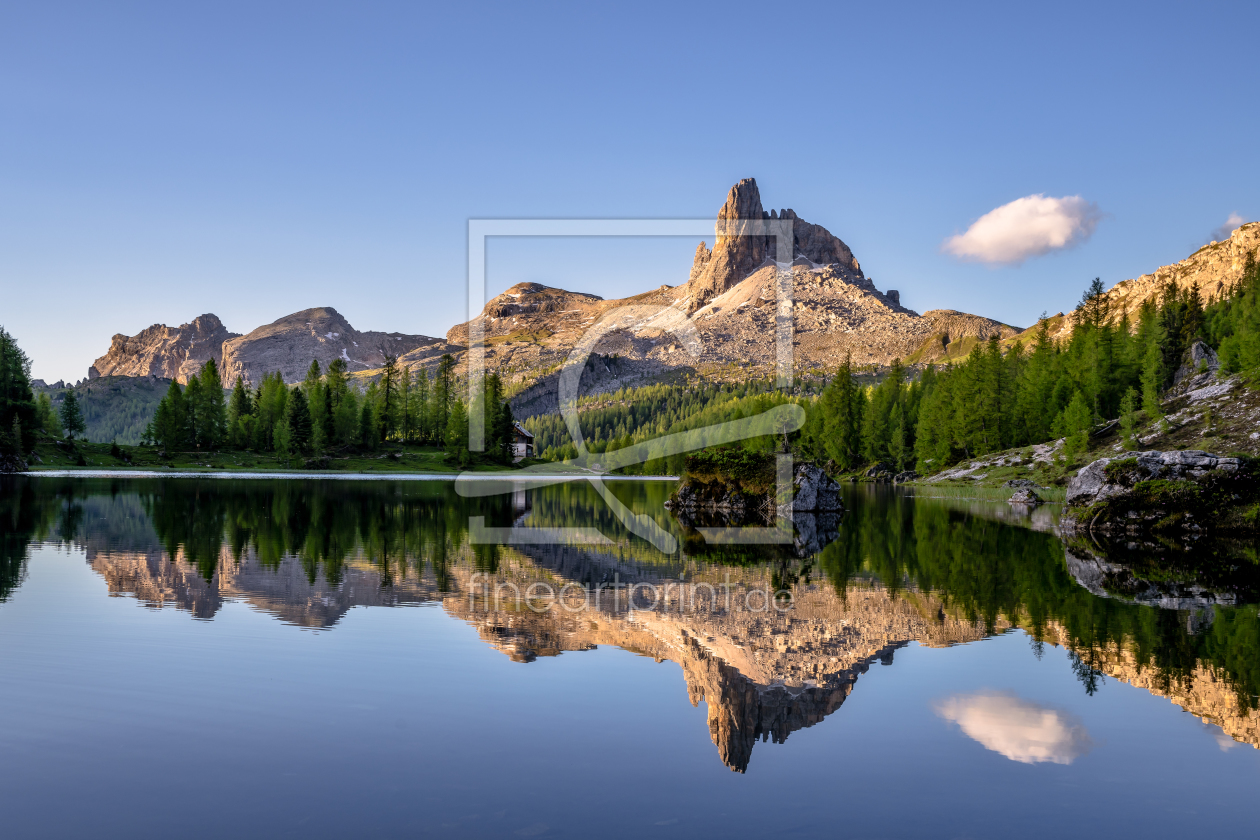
[(1021, 483), (10, 463), (1198, 356), (713, 498), (1025, 496), (906, 475), (813, 490), (880, 471)]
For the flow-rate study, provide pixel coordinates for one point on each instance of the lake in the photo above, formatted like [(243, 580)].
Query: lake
[(309, 658)]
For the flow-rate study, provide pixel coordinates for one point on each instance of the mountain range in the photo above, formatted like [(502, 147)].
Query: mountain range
[(728, 297)]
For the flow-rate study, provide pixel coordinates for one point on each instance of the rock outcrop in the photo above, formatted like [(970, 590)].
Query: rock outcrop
[(813, 491), (1184, 489), (11, 462), (289, 344), (1025, 496), (165, 352), (740, 250), (1199, 359)]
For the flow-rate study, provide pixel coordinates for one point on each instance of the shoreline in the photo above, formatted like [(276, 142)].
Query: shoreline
[(382, 476)]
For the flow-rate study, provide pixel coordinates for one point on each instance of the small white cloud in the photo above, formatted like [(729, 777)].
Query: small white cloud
[(1027, 227), (1019, 729), (1223, 232)]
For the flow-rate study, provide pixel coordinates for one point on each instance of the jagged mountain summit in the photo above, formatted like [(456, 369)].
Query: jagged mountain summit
[(165, 352), (287, 345), (735, 257)]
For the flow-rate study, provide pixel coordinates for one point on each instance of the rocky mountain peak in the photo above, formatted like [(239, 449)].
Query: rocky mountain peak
[(737, 254), (322, 334), (165, 352)]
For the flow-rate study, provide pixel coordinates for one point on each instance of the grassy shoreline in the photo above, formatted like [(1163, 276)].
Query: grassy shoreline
[(397, 461)]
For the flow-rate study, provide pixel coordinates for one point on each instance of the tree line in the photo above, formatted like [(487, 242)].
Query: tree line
[(640, 415), (327, 412)]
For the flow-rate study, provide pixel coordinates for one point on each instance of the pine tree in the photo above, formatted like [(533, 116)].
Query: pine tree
[(1152, 381), (269, 428), (500, 434), (1077, 422), (346, 418), (369, 427), (419, 407), (343, 405), (210, 411), (833, 431), (72, 416), (313, 390), (898, 447), (46, 417), (1128, 418), (877, 420), (16, 398), (387, 397), (457, 435), (297, 422), (240, 412), (405, 392), (1093, 308), (169, 429), (443, 397), (193, 406)]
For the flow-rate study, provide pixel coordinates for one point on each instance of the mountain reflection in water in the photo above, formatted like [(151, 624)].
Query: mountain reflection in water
[(903, 570)]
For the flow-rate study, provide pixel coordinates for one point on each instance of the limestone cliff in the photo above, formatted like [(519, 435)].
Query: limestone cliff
[(739, 251), (165, 352)]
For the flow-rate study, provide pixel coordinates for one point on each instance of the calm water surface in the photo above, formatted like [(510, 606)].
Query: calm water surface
[(209, 658)]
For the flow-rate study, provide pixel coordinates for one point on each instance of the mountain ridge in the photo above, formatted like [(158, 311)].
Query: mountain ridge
[(728, 296)]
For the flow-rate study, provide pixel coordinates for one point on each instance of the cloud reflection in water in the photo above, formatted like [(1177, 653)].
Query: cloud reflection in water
[(1019, 729)]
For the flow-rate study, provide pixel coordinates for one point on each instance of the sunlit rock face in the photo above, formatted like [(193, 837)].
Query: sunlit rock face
[(1019, 729), (1214, 268), (165, 352)]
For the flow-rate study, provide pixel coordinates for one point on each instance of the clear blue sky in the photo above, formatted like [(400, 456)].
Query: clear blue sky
[(162, 160)]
